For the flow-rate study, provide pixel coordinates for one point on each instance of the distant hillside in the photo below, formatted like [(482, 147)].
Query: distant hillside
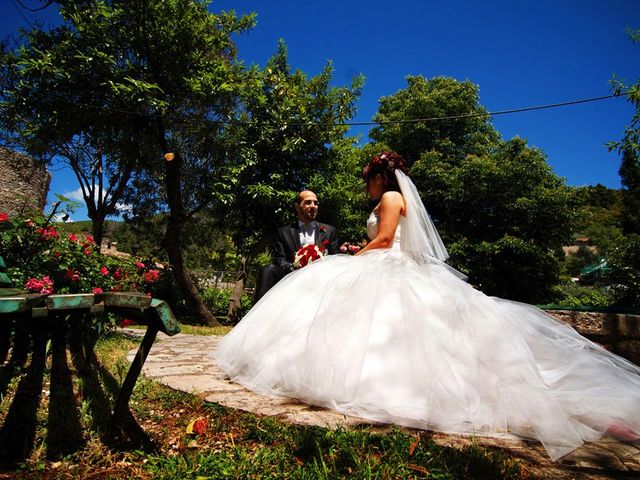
[(110, 227)]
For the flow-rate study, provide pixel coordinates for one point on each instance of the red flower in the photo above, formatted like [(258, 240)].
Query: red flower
[(104, 271), (97, 290), (323, 229), (117, 274), (89, 238), (47, 233), (126, 322), (151, 276), (87, 251), (40, 286), (308, 254), (72, 275), (140, 265), (4, 217), (350, 248), (73, 238)]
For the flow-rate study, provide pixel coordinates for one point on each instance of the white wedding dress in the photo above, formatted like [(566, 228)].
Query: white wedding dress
[(394, 338)]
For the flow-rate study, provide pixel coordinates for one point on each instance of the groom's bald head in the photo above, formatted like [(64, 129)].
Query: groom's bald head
[(306, 205)]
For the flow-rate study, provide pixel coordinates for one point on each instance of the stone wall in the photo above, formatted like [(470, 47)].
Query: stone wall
[(617, 332), (24, 183)]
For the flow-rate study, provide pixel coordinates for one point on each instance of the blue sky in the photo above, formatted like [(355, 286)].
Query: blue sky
[(519, 53)]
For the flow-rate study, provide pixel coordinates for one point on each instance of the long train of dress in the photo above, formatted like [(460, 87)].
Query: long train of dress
[(382, 337)]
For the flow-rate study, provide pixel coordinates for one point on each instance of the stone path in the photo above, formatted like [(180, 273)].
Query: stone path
[(183, 362)]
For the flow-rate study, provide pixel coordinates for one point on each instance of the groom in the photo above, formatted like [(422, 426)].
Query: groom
[(291, 238)]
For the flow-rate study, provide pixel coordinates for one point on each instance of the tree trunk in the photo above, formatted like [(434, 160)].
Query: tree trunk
[(97, 226), (235, 305), (173, 240)]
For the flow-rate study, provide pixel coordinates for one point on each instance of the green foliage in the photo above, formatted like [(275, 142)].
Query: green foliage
[(629, 148), (573, 295), (599, 215), (624, 260), (217, 300), (509, 267), (434, 98)]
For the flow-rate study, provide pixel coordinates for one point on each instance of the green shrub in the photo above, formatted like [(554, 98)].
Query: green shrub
[(217, 300), (41, 259), (624, 260), (572, 295), (509, 268)]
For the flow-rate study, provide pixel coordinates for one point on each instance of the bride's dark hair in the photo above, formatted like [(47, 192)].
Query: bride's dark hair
[(385, 164)]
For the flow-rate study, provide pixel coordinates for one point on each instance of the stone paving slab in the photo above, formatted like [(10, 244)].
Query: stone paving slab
[(184, 362)]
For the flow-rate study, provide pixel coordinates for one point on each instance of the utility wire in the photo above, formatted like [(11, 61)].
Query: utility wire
[(493, 114), (350, 124)]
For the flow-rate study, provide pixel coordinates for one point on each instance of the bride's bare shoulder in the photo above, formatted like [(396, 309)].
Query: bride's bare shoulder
[(392, 196), (393, 199)]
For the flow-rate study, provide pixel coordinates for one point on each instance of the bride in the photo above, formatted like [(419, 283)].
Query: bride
[(395, 335)]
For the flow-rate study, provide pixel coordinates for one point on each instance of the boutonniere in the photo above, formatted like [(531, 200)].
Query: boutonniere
[(323, 229)]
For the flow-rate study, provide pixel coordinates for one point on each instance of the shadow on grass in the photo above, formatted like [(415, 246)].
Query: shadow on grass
[(67, 413), (18, 430)]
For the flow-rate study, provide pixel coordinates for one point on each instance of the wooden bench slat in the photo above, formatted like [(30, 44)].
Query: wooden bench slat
[(164, 314), (12, 292), (5, 281), (20, 303), (126, 299), (70, 301), (13, 305)]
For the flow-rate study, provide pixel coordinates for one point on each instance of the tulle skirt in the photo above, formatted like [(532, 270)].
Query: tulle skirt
[(380, 337)]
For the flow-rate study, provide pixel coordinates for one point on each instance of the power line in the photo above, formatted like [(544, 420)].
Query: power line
[(493, 114), (350, 124), (37, 9), (20, 12)]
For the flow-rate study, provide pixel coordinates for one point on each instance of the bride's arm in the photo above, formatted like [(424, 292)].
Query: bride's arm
[(390, 209)]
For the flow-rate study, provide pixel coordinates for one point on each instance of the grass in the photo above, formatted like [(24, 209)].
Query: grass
[(233, 444)]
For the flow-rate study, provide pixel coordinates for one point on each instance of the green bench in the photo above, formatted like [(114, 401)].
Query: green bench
[(45, 312)]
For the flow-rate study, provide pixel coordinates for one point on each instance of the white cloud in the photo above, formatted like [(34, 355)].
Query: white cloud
[(58, 217), (74, 195)]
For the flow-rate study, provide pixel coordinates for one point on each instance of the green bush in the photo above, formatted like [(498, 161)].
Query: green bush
[(509, 268), (217, 300), (572, 295), (624, 260), (41, 259)]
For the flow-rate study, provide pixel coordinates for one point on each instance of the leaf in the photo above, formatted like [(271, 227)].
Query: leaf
[(418, 468), (197, 426), (413, 446)]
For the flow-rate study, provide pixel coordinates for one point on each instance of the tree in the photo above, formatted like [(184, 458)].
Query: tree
[(163, 75), (290, 125), (599, 216), (629, 148), (500, 209), (433, 99)]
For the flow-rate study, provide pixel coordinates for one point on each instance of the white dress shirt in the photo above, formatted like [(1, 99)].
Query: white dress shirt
[(307, 233)]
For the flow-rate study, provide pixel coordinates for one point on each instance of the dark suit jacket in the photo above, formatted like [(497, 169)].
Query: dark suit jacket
[(288, 243)]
